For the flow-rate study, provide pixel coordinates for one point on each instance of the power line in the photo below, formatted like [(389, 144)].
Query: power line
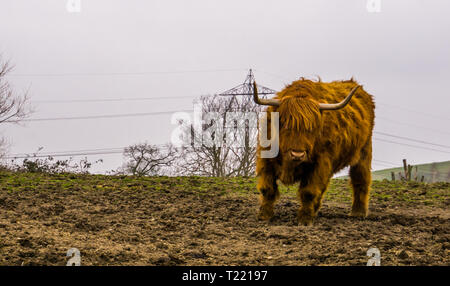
[(46, 154), (244, 89), (112, 99), (103, 151), (413, 146), (83, 152), (385, 162), (190, 110), (64, 155), (412, 125), (98, 116), (171, 112), (381, 164), (410, 139), (412, 111), (117, 73)]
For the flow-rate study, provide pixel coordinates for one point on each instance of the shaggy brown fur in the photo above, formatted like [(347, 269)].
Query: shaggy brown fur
[(332, 139)]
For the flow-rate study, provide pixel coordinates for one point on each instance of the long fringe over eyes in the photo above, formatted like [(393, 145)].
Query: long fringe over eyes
[(299, 113)]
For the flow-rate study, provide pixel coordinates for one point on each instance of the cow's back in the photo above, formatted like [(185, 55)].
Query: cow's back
[(346, 131)]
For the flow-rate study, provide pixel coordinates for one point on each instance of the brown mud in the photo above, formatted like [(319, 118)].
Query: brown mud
[(165, 222)]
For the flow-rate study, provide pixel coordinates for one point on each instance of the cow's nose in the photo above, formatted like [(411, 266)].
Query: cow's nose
[(298, 155)]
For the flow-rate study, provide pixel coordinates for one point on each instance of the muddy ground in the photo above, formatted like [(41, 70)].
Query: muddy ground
[(208, 221)]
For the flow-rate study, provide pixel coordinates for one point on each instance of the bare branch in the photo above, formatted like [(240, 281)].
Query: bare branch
[(223, 159), (13, 107)]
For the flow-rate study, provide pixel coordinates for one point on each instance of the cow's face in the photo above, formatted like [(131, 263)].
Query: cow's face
[(300, 125), (296, 146)]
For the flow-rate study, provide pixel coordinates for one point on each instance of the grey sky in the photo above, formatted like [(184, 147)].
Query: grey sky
[(191, 48)]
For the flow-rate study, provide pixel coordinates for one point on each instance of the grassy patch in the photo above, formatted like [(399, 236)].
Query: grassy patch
[(338, 191)]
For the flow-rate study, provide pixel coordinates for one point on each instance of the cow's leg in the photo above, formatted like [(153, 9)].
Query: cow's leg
[(360, 178), (311, 193), (268, 189)]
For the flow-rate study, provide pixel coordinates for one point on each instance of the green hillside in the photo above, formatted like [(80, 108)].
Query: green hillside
[(432, 172)]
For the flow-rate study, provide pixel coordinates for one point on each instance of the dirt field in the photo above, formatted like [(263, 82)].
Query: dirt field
[(208, 221)]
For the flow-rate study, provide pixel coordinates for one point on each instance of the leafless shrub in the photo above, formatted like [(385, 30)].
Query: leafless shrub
[(36, 163), (148, 160)]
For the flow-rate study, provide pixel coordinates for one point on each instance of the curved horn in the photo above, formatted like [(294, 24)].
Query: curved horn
[(272, 102), (336, 106)]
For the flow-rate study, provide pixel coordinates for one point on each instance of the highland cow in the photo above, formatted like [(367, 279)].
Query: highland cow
[(321, 131)]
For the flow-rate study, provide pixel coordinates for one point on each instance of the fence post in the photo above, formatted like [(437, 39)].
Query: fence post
[(410, 172), (405, 169)]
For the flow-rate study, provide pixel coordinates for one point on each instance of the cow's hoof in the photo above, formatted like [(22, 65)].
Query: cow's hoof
[(358, 213), (265, 212), (265, 215), (305, 220)]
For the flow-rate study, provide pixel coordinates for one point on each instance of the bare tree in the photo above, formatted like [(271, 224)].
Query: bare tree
[(233, 148), (148, 160), (13, 108)]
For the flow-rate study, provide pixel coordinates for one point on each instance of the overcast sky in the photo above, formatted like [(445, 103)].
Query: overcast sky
[(131, 49)]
